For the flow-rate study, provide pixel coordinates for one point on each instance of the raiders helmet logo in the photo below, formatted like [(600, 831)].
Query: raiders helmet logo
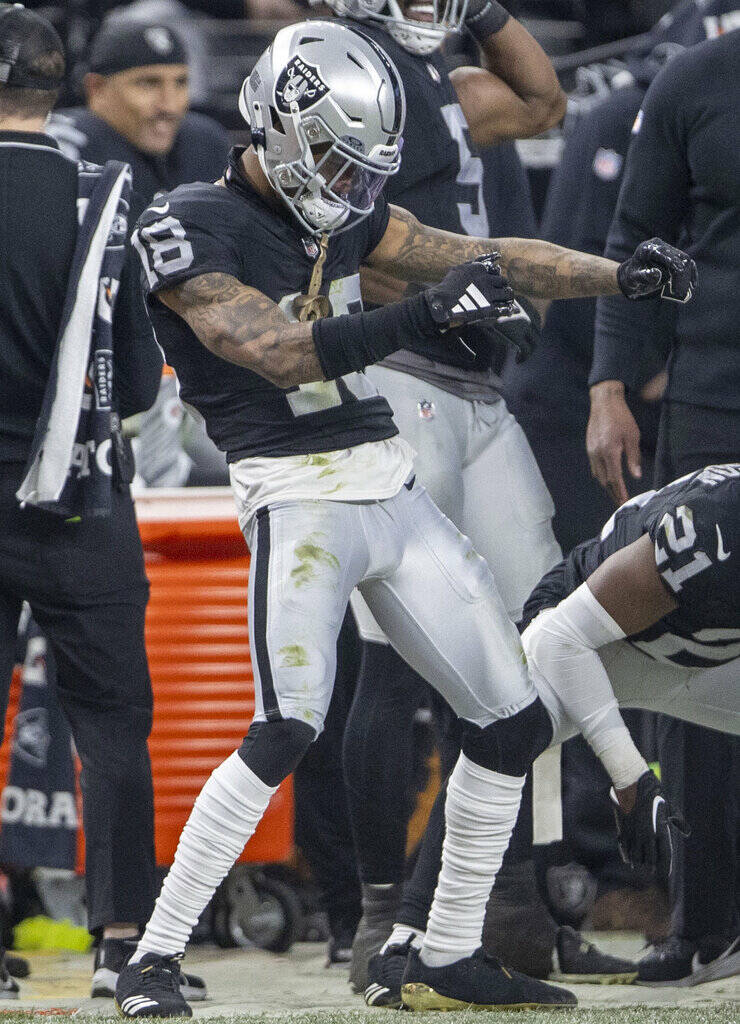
[(299, 82)]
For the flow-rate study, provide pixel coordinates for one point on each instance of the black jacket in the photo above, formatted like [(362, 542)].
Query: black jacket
[(38, 232), (681, 183)]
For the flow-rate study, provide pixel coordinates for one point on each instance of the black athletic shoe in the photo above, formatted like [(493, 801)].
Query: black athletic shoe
[(666, 962), (17, 966), (385, 974), (339, 951), (111, 957), (577, 961), (8, 986), (477, 982), (151, 988), (680, 963)]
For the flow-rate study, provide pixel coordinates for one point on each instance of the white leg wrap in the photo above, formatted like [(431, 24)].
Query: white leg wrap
[(223, 819), (562, 644), (480, 814)]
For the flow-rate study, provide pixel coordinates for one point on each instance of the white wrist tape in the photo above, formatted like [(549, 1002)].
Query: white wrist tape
[(563, 642)]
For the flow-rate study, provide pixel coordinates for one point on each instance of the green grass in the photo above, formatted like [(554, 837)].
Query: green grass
[(712, 1013)]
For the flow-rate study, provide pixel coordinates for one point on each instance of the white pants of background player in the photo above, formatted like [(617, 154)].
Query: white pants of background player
[(476, 463), (437, 602)]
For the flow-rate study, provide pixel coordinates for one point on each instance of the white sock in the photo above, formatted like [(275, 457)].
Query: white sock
[(223, 818), (480, 813), (402, 933)]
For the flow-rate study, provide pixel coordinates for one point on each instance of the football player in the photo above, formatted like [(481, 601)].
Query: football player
[(253, 288), (644, 616), (446, 400)]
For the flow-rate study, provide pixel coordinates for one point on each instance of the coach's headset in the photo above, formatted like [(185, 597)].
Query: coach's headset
[(16, 31)]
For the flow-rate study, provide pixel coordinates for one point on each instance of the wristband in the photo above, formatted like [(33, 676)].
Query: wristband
[(349, 343), (485, 22)]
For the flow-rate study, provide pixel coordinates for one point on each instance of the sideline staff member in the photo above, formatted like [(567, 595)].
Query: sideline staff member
[(83, 576), (137, 96), (686, 137)]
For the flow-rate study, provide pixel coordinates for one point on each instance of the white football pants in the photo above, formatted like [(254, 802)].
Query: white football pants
[(476, 463), (430, 592)]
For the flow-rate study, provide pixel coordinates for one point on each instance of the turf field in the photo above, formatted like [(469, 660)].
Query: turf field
[(254, 987)]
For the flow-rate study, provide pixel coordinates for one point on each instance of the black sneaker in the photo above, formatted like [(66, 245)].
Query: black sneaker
[(577, 961), (385, 974), (477, 982), (680, 963), (8, 986), (339, 951), (151, 988), (111, 957), (666, 962)]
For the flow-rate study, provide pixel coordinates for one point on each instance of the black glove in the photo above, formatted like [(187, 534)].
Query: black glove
[(644, 835), (520, 329), (656, 267), (470, 292), (483, 18)]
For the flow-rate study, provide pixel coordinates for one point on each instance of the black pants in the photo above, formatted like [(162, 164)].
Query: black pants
[(700, 767), (87, 589)]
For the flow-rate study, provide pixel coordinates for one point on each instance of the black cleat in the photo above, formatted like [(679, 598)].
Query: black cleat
[(576, 961), (681, 963), (111, 957), (385, 974), (151, 988), (477, 982), (8, 985)]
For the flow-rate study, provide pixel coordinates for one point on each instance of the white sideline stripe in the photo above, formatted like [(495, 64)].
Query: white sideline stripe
[(476, 294)]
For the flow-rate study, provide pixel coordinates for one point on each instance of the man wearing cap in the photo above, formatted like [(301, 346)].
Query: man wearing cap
[(137, 111), (77, 353)]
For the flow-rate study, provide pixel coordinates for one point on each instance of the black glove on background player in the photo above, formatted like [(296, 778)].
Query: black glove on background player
[(656, 267), (473, 291), (644, 834)]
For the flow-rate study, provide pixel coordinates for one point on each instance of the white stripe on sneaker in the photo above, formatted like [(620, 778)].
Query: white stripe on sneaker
[(467, 303), (477, 295), (133, 1003)]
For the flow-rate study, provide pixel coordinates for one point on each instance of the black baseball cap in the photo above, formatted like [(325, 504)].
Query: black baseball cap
[(124, 44), (25, 38)]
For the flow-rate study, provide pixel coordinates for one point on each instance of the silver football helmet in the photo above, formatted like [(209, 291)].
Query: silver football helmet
[(418, 27), (326, 109)]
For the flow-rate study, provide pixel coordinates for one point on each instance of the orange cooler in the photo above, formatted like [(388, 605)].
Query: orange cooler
[(199, 658)]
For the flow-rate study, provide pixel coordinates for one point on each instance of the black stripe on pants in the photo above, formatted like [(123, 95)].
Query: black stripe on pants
[(259, 641)]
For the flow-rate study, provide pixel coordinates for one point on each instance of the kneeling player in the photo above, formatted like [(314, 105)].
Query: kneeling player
[(645, 616), (254, 292)]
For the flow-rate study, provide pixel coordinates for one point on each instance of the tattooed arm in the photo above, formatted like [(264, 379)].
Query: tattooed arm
[(243, 326), (412, 251)]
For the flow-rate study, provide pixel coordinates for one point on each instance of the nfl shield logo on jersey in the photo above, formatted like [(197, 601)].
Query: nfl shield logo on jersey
[(607, 164), (311, 247), (426, 410)]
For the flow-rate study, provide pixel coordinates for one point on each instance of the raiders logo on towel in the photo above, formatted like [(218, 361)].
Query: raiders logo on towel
[(299, 82)]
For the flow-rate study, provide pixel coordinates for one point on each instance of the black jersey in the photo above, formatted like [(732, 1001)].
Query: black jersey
[(199, 152), (202, 229), (441, 175), (694, 523)]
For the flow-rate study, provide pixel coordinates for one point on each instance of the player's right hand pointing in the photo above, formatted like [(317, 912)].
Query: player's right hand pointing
[(473, 291)]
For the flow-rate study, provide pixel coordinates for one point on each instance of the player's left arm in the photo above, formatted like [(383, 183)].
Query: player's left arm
[(413, 251), (517, 94)]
